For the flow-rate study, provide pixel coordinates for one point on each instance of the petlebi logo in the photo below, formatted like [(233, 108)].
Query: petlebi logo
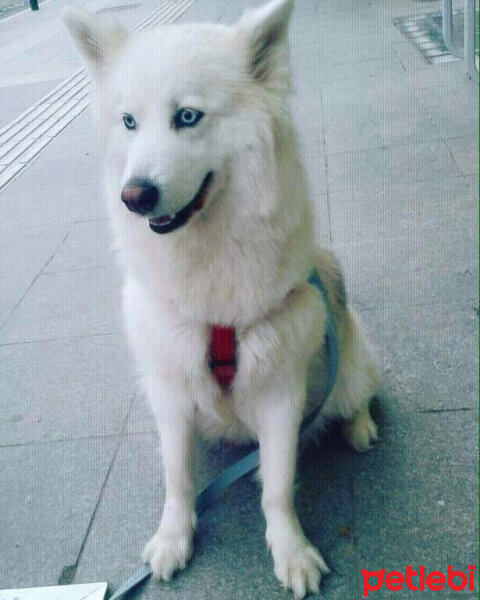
[(418, 580)]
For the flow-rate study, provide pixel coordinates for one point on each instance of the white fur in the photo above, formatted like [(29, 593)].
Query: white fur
[(243, 260)]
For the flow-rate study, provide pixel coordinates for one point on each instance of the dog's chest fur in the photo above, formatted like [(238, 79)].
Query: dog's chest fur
[(175, 348)]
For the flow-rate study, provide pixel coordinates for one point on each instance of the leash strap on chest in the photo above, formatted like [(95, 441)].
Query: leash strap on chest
[(249, 463)]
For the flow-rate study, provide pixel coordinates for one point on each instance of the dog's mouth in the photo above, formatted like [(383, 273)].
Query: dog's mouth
[(168, 223)]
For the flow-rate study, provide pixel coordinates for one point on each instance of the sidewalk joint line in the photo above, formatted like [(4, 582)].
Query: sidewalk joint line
[(444, 410), (37, 276), (69, 572), (84, 438), (60, 339)]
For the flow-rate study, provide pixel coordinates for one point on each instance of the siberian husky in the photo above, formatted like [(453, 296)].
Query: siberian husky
[(210, 213)]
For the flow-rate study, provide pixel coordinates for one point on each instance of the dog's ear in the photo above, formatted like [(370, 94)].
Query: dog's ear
[(97, 41), (266, 29)]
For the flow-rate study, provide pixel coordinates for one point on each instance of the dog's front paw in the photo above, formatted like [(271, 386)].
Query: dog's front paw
[(299, 567), (168, 552)]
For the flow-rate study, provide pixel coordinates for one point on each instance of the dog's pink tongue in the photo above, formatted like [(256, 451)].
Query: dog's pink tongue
[(161, 220)]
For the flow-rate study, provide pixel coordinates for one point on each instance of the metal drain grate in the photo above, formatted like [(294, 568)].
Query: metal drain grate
[(425, 32)]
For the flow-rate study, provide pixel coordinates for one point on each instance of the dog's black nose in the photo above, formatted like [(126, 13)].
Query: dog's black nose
[(140, 196)]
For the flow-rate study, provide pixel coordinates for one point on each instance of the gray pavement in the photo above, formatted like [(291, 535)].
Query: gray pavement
[(391, 146)]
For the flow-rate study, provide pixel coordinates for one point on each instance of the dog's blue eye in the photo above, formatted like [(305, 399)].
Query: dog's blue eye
[(187, 117), (129, 121)]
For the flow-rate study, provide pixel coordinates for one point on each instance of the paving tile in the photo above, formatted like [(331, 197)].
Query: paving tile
[(361, 70), (336, 23), (379, 167), (419, 251), (11, 292), (311, 147), (140, 418), (65, 389), (335, 51), (428, 356), (67, 305), (424, 82), (49, 494), (17, 98), (406, 211), (87, 246), (128, 17), (411, 271), (414, 497), (80, 139), (397, 251), (307, 115), (373, 117), (44, 210), (61, 64), (321, 215), (451, 109), (31, 78), (308, 120), (45, 175), (81, 145), (24, 63), (25, 248), (214, 11), (465, 153)]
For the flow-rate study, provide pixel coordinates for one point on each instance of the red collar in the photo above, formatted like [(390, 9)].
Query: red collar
[(223, 357)]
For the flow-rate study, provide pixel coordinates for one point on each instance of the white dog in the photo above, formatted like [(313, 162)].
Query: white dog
[(209, 207)]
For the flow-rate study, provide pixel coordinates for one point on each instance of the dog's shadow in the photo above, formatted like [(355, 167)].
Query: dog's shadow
[(231, 531)]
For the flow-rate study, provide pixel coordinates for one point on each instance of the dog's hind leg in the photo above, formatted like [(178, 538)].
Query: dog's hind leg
[(357, 383), (360, 431)]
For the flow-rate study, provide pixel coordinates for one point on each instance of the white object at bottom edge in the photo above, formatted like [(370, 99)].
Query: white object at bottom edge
[(84, 591)]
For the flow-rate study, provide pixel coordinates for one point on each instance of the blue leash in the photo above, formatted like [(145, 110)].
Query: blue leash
[(249, 463)]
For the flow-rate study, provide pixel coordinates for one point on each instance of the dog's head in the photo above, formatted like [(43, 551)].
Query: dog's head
[(178, 105)]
